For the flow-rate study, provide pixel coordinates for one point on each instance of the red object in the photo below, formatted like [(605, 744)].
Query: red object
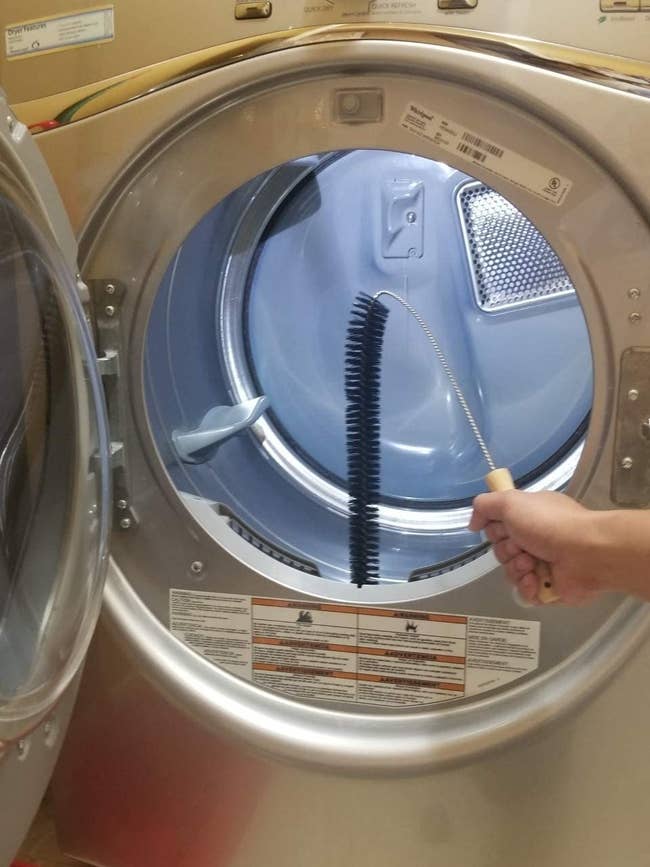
[(42, 126)]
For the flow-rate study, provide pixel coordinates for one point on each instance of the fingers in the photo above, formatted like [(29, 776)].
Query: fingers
[(528, 585), (518, 567), (505, 550), (487, 507), (495, 531), (494, 514)]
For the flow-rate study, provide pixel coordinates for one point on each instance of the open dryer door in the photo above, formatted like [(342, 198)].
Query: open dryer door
[(53, 477)]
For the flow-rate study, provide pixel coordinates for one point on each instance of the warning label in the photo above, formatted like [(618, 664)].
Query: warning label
[(482, 151), (375, 656)]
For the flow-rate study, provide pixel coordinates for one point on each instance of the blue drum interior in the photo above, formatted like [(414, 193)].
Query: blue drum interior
[(256, 302)]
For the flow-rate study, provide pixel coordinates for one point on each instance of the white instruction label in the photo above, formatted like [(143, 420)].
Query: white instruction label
[(375, 656), (486, 153), (57, 33)]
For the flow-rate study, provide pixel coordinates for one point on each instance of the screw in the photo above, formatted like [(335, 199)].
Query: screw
[(50, 732), (645, 428), (633, 394), (196, 567), (109, 310), (411, 217), (626, 464), (21, 747), (633, 293), (412, 252), (125, 523), (121, 505), (110, 289), (11, 122), (634, 317)]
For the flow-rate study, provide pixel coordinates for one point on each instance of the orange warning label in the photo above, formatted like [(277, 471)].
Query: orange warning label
[(375, 656)]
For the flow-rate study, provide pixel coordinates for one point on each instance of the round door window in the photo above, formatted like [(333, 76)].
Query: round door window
[(245, 357), (53, 479)]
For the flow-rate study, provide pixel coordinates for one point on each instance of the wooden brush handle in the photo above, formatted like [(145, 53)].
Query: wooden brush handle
[(501, 480)]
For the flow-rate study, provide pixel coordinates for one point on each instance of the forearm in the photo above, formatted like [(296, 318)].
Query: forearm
[(618, 551)]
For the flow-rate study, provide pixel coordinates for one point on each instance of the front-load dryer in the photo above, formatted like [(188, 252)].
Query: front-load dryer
[(244, 703)]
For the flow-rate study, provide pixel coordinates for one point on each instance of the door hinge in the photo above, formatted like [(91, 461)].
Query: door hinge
[(105, 304), (631, 468)]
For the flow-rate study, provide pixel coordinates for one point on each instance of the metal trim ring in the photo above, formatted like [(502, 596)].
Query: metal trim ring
[(363, 743), (618, 73)]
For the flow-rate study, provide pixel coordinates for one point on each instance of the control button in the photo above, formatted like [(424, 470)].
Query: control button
[(620, 5), (256, 9), (457, 4)]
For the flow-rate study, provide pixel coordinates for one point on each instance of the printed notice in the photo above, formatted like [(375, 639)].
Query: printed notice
[(60, 32), (483, 151), (217, 625), (373, 656)]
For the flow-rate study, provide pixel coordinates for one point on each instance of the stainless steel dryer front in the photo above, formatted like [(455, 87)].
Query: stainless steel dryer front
[(244, 703)]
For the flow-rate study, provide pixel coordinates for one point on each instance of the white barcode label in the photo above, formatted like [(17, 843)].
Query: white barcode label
[(482, 151), (481, 143), (471, 152)]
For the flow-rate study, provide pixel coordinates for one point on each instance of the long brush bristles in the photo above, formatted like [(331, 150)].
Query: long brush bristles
[(363, 350)]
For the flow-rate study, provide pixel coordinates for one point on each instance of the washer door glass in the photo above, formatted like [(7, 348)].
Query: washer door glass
[(53, 468), (246, 350)]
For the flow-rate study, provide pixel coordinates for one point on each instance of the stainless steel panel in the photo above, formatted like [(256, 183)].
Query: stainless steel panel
[(142, 781), (279, 100), (218, 769)]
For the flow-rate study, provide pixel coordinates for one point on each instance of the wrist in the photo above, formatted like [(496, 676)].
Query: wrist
[(618, 544)]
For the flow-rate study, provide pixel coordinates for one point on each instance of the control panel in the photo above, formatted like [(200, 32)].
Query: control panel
[(624, 5), (620, 27)]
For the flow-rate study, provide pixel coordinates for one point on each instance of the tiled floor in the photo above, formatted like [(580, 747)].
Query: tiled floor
[(40, 847)]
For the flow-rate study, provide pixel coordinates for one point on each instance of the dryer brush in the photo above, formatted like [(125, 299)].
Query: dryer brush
[(363, 349)]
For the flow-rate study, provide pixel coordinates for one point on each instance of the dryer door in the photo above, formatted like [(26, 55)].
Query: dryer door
[(53, 445)]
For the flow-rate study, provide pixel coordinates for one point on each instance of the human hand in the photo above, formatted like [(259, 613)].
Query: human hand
[(527, 527)]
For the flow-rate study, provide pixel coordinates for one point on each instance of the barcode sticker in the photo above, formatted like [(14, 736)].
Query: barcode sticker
[(481, 151), (474, 154), (481, 143)]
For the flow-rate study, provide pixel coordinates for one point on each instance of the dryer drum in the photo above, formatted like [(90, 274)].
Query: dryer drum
[(258, 296)]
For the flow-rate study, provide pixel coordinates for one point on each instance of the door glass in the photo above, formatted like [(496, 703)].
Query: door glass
[(257, 301), (53, 478)]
